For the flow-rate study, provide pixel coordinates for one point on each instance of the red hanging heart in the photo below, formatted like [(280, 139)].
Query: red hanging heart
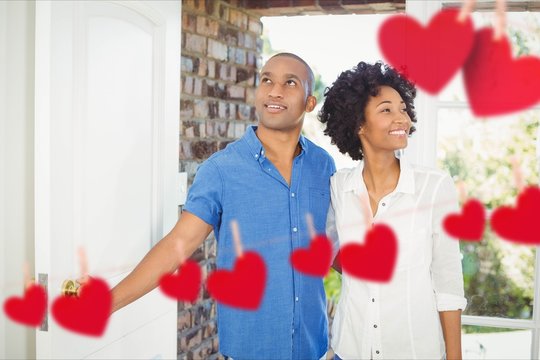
[(468, 225), (495, 82), (30, 309), (428, 56), (185, 285), (88, 313), (243, 287), (316, 259), (519, 224), (375, 260)]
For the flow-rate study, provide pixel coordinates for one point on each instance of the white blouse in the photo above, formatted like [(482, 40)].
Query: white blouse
[(399, 319)]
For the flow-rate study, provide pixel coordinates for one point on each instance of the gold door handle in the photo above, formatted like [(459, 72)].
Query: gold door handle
[(70, 288)]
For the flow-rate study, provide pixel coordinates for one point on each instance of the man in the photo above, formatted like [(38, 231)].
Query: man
[(267, 181)]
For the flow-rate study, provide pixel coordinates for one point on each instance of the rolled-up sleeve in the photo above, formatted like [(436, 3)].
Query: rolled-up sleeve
[(205, 195), (446, 268)]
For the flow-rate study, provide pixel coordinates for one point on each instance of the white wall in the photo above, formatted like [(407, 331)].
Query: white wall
[(16, 166), (3, 57)]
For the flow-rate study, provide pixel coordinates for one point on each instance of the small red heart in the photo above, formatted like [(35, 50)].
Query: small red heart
[(428, 56), (375, 260), (185, 285), (30, 309), (316, 259), (495, 82), (519, 224), (243, 287), (469, 225), (88, 313)]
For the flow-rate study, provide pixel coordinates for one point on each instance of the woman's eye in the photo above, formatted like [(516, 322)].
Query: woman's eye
[(386, 110), (404, 110)]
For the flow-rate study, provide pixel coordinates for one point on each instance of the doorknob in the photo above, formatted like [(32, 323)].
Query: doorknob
[(70, 288)]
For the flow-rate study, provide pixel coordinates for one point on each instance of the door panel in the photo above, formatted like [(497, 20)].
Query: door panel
[(107, 96)]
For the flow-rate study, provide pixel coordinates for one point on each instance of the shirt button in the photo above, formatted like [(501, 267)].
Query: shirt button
[(256, 156), (296, 298), (293, 194), (294, 229), (262, 152)]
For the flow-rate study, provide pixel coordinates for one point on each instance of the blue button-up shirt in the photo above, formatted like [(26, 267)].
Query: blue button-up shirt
[(240, 183)]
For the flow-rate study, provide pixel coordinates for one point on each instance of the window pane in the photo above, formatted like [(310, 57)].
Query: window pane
[(495, 343), (498, 275)]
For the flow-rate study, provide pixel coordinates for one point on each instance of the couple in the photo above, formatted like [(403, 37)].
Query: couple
[(272, 177)]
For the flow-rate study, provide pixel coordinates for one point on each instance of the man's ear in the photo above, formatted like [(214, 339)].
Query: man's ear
[(311, 102)]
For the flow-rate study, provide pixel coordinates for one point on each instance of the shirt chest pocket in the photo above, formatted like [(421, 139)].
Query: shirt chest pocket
[(319, 200), (413, 248)]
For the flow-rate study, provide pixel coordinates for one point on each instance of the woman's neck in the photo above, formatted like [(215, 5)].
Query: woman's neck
[(381, 173)]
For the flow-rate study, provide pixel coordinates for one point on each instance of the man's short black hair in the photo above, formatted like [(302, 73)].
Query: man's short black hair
[(344, 106)]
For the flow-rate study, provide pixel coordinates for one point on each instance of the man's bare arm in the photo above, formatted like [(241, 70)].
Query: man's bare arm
[(165, 257)]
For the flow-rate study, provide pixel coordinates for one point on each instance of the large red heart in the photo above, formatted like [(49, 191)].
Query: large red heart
[(519, 224), (468, 225), (30, 309), (185, 285), (495, 82), (375, 260), (243, 287), (428, 56), (316, 259), (88, 313)]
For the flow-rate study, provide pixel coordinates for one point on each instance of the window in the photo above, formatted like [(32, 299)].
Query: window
[(500, 321)]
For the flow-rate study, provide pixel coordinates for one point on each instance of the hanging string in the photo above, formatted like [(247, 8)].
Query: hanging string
[(236, 238), (500, 16), (466, 10), (500, 19)]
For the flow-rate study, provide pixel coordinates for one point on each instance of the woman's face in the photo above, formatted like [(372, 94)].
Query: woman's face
[(387, 124)]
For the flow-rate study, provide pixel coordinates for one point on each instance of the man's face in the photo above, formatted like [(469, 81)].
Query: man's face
[(281, 99)]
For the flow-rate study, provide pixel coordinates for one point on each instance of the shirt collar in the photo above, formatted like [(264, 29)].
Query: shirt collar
[(256, 148), (405, 184)]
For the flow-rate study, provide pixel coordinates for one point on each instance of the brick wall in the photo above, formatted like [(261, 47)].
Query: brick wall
[(221, 49)]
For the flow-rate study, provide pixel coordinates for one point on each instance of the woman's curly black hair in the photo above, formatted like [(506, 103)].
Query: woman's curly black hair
[(345, 102)]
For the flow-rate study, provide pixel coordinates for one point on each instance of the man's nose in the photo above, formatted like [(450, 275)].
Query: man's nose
[(276, 91)]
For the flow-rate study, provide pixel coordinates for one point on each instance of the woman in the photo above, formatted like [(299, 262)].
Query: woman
[(369, 114)]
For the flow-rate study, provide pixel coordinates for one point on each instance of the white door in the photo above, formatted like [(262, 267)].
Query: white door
[(106, 136)]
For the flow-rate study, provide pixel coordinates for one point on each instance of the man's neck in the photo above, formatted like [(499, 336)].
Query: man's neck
[(280, 146)]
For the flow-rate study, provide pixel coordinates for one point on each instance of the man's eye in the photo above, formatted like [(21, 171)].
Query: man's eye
[(291, 82), (266, 81)]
